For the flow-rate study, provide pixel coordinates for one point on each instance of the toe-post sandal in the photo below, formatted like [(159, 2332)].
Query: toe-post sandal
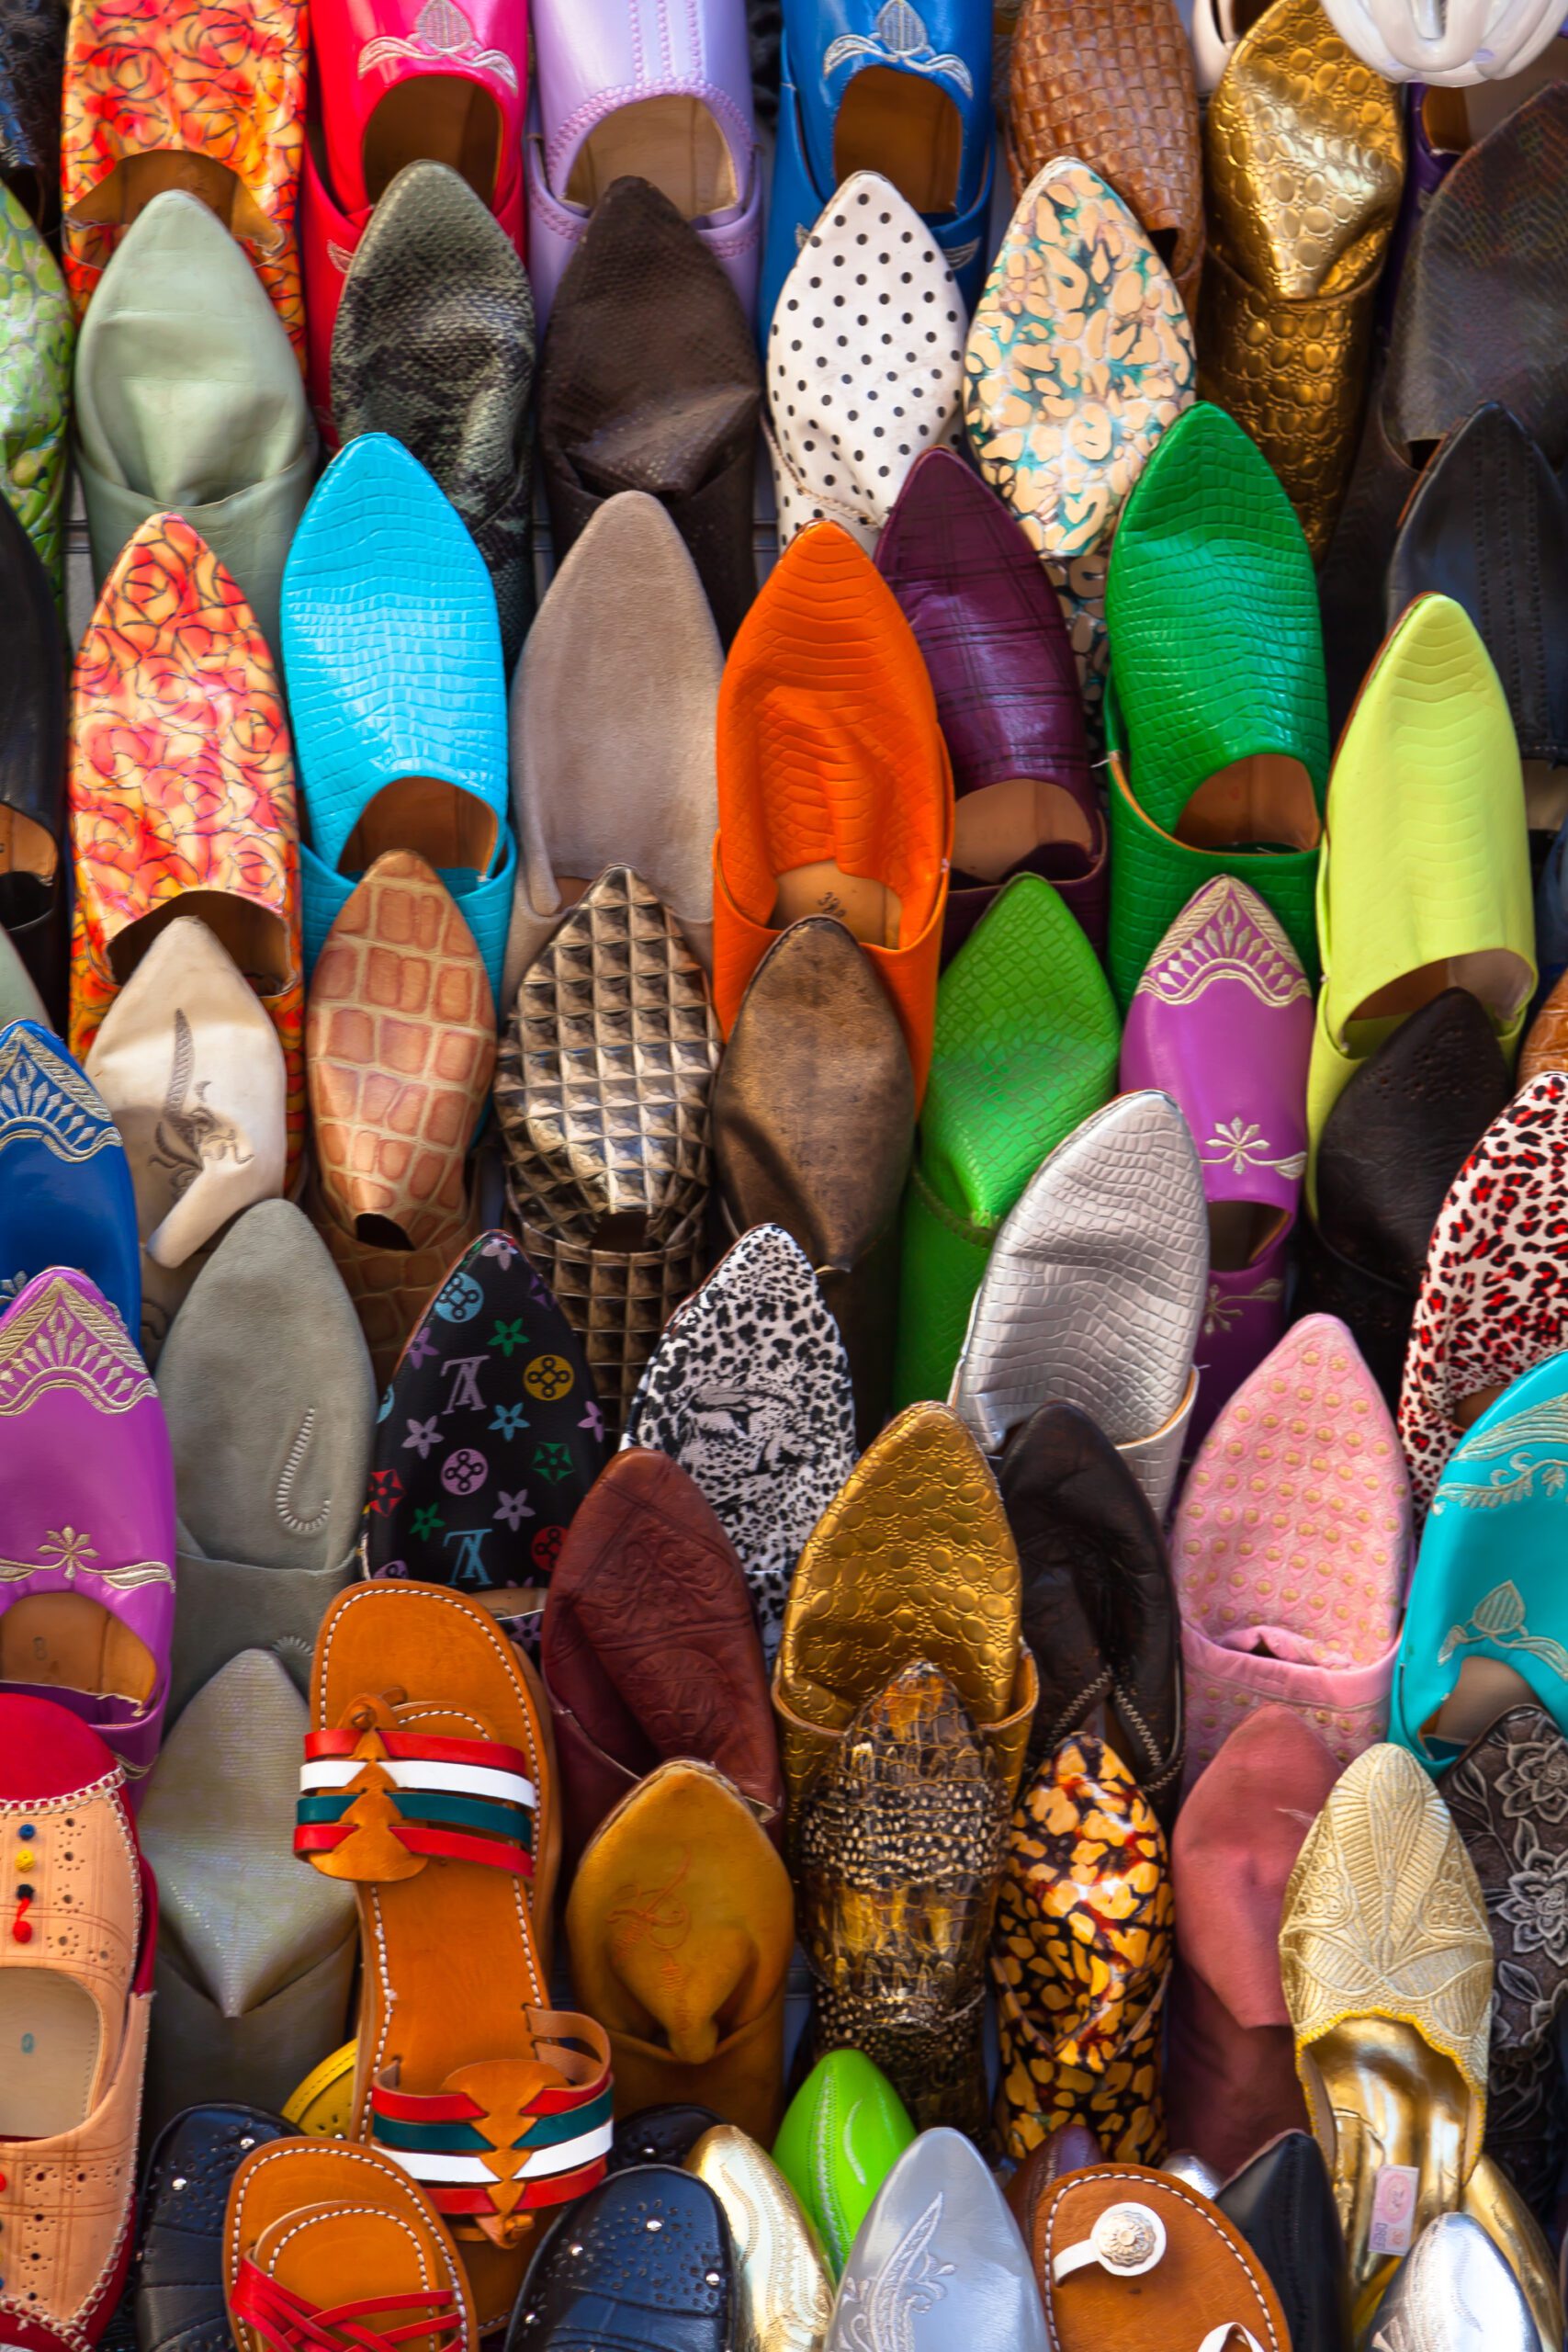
[(429, 1782)]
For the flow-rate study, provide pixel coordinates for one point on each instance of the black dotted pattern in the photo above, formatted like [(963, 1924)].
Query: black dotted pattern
[(644, 2259)]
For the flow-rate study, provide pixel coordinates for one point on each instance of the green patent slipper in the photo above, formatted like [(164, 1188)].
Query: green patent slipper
[(1025, 1047), (846, 2129), (1218, 723), (37, 336)]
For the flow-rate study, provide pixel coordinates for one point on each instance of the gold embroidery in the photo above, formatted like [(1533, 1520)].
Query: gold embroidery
[(1224, 934), (66, 1340), (1500, 1618), (45, 1099)]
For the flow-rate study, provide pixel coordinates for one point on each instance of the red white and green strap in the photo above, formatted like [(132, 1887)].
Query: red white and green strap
[(468, 1800), (565, 2139)]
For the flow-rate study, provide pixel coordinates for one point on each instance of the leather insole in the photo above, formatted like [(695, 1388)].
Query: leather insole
[(995, 828), (1455, 119), (1239, 1232), (905, 128), (867, 908), (65, 1640), (52, 2034), (255, 938), (29, 865), (128, 190), (1263, 802), (434, 118), (1500, 980), (1485, 1689), (671, 141), (439, 821)]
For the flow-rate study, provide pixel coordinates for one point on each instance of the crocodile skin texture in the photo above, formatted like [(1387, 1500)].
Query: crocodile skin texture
[(391, 1288), (1482, 295), (1095, 1290), (32, 68), (1079, 357), (1112, 84), (900, 1842), (650, 381), (912, 1559), (400, 1046), (434, 344), (1427, 854), (1305, 156), (179, 2267), (1025, 1047), (643, 2259), (1488, 526), (829, 753), (390, 645), (749, 1392), (834, 358), (603, 1091)]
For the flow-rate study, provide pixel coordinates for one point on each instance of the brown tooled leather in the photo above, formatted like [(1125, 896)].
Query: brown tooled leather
[(1207, 2278), (651, 1648), (650, 381), (1478, 317), (813, 1128), (399, 1049), (1111, 82)]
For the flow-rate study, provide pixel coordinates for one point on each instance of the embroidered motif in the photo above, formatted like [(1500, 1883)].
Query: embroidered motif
[(190, 1133), (881, 2312), (899, 38), (441, 35), (1222, 1310), (65, 1341), (45, 1099), (1544, 1424), (1527, 1477), (1242, 1144), (1220, 936), (284, 1498), (1500, 1618), (67, 1552)]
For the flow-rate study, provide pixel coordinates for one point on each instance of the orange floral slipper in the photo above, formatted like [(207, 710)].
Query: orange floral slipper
[(429, 1782), (182, 789), (209, 99)]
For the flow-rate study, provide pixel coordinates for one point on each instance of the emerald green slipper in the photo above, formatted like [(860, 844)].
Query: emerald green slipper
[(846, 2129), (1025, 1047), (37, 334), (1218, 728)]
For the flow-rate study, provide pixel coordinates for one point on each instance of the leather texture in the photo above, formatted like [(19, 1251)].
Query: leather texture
[(1222, 1020), (689, 72), (1023, 1050), (1230, 2071), (35, 386), (651, 381), (941, 2199), (1208, 2283), (785, 2293), (188, 395), (32, 68), (650, 1648), (208, 773), (1428, 858), (813, 1130), (656, 2267), (845, 2129), (1465, 331), (179, 2258), (193, 1077), (435, 344), (1114, 88), (1546, 1039), (1099, 1604), (1211, 578), (830, 756), (837, 457), (660, 2135), (241, 154), (612, 737), (488, 1436), (1282, 2202), (1068, 2149), (1308, 1617), (65, 1190), (749, 1391), (995, 642), (898, 1846), (1080, 1958), (90, 1916), (256, 1956), (1390, 1149), (1304, 146), (912, 1560), (33, 887), (1454, 2291), (1094, 1291), (681, 1922), (1487, 489), (608, 1185)]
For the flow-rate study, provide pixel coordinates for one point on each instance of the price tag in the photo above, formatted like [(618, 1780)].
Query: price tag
[(1394, 2210)]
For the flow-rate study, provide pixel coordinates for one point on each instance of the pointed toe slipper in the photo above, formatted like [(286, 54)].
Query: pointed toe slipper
[(66, 1187), (940, 2197), (35, 388)]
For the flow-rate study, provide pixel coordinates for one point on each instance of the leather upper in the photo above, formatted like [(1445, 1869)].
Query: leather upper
[(1454, 2292), (32, 702), (65, 1190), (179, 2267), (785, 2290), (1282, 2202), (34, 410), (1205, 2280), (672, 2290), (364, 48), (845, 2129), (940, 2208)]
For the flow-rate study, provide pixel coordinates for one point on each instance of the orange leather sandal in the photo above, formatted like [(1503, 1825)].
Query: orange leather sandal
[(429, 1782), (326, 2247)]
